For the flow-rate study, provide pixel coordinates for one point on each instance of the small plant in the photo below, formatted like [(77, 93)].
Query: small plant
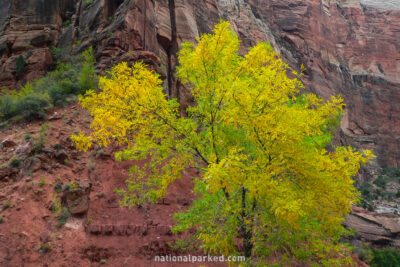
[(44, 248), (73, 186), (6, 205), (26, 136), (57, 146), (1, 219), (20, 68), (103, 261), (385, 257), (41, 140), (58, 187), (66, 22), (56, 206), (15, 163), (63, 217), (42, 182), (89, 220)]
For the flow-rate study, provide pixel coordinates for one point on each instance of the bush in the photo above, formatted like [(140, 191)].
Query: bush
[(41, 140), (20, 68), (55, 89), (63, 217), (32, 106), (385, 258), (15, 162)]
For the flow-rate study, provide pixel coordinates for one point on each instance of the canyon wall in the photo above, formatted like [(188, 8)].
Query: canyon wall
[(349, 47)]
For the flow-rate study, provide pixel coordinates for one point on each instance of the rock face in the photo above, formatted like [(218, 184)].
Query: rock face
[(380, 230), (349, 47), (76, 197)]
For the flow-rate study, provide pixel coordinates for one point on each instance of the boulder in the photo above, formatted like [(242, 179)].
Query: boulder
[(376, 229), (7, 143), (76, 197), (61, 156), (24, 150)]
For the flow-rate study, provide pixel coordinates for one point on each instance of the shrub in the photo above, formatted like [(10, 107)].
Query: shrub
[(40, 142), (15, 163), (63, 217), (55, 89), (26, 136), (58, 188), (32, 106), (20, 68), (385, 258), (7, 107), (42, 182), (44, 248), (6, 205)]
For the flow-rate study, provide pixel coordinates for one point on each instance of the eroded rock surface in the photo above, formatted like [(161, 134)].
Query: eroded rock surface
[(349, 47), (377, 229)]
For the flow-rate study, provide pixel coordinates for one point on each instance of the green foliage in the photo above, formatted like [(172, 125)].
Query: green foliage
[(1, 219), (44, 248), (20, 65), (55, 89), (26, 136), (42, 182), (15, 163), (385, 258), (89, 1), (40, 141), (376, 189), (58, 188), (6, 205), (266, 177), (63, 217)]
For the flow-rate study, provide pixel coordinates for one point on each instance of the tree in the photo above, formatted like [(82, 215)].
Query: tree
[(20, 65), (266, 176)]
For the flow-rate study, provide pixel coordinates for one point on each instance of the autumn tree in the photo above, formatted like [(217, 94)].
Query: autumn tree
[(266, 179)]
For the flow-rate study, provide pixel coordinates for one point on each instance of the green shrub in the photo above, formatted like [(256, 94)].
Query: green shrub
[(6, 205), (32, 106), (40, 142), (15, 163), (20, 68), (385, 258), (57, 88), (26, 136), (42, 182), (7, 107), (63, 217), (44, 248)]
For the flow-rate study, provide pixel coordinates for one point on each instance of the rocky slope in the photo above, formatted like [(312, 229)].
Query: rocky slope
[(348, 46), (36, 231), (34, 193)]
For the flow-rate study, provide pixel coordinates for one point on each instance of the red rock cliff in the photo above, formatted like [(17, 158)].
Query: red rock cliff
[(349, 47)]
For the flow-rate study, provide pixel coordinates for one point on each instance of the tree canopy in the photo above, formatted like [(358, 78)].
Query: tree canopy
[(266, 179)]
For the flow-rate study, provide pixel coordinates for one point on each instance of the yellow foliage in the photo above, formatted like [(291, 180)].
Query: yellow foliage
[(260, 144)]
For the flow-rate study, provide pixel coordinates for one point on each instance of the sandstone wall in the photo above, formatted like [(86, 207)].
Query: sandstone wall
[(349, 47)]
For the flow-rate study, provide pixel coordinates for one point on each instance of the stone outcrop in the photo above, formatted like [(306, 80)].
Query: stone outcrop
[(380, 230), (76, 197), (349, 47)]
